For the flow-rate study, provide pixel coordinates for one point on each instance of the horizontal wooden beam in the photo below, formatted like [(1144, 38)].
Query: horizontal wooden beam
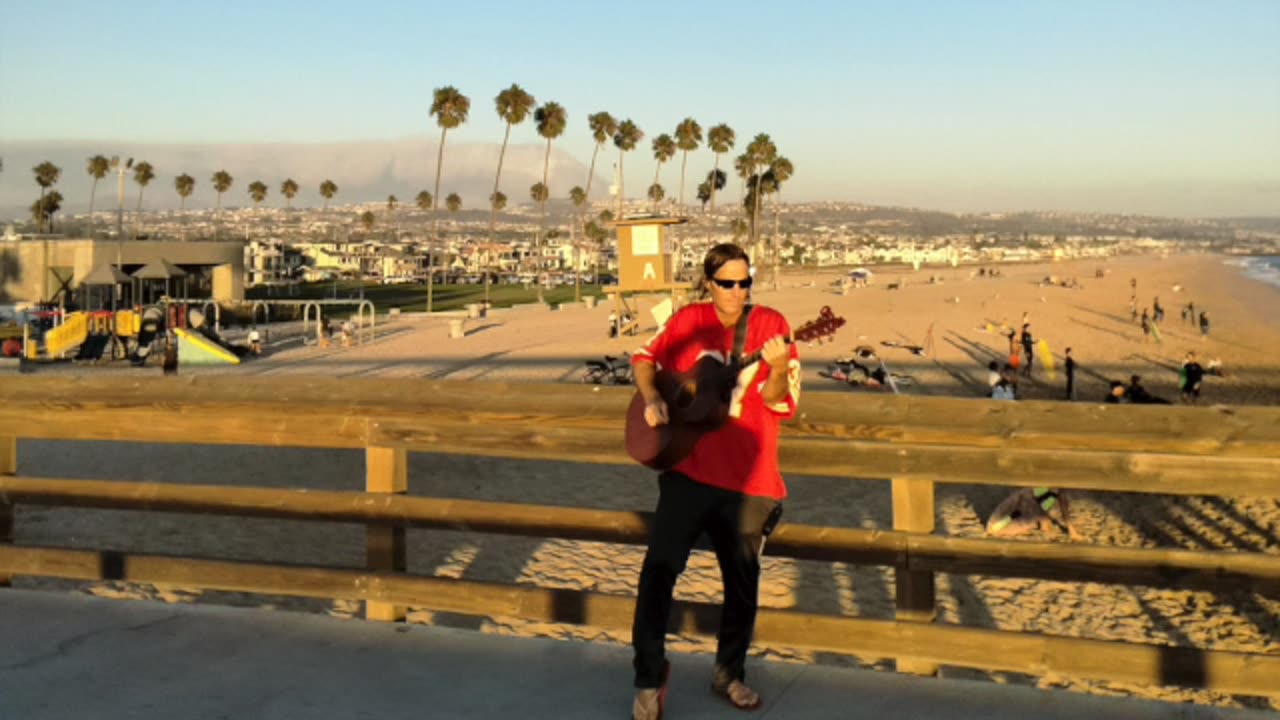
[(540, 438), (991, 650), (897, 419), (1183, 569)]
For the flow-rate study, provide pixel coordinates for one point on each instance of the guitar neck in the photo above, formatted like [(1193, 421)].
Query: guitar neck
[(748, 359)]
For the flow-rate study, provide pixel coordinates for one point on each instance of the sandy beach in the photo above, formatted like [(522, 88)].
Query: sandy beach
[(539, 345)]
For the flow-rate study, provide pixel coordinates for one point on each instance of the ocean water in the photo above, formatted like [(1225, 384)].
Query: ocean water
[(1264, 268)]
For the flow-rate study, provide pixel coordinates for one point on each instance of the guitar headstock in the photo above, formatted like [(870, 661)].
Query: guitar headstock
[(821, 328)]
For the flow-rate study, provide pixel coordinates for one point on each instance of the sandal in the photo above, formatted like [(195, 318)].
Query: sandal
[(651, 707), (744, 699)]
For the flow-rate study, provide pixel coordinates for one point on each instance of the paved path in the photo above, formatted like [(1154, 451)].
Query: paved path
[(68, 656)]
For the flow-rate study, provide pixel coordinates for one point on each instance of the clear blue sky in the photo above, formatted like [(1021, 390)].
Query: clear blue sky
[(1158, 106)]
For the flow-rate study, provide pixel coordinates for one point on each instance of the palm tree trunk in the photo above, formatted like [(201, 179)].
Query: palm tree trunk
[(493, 210), (542, 222), (656, 170), (435, 236), (777, 266), (92, 193), (591, 173), (182, 210), (684, 162), (621, 192), (217, 226), (137, 214), (755, 215), (714, 176), (40, 213)]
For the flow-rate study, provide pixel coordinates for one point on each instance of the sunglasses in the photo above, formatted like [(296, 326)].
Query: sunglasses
[(745, 283)]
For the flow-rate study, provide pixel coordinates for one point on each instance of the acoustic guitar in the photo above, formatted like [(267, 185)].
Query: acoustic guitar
[(698, 400)]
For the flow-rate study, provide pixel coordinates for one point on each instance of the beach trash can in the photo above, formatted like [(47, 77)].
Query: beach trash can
[(457, 327)]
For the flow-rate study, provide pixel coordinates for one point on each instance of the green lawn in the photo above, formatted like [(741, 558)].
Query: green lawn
[(413, 298)]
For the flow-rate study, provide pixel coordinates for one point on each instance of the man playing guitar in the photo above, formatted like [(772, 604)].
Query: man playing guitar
[(728, 486)]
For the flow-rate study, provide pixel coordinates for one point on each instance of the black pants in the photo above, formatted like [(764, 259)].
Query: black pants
[(737, 525)]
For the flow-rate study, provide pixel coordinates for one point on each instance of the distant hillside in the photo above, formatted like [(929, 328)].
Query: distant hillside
[(363, 171)]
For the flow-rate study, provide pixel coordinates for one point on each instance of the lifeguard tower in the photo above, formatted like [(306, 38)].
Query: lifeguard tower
[(646, 266)]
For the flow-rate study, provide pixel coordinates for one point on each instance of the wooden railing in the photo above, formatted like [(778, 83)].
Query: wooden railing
[(915, 442)]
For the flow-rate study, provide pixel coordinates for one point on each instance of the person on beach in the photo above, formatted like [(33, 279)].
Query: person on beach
[(1190, 377), (1133, 308), (1138, 395), (728, 486), (1116, 393), (1069, 366), (1191, 312), (1157, 311), (1031, 509), (1204, 324), (1146, 326), (1028, 346), (993, 376)]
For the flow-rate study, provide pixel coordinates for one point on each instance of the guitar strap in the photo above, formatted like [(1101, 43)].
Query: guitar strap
[(740, 337)]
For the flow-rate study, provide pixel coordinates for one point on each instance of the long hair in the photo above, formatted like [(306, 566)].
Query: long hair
[(716, 259)]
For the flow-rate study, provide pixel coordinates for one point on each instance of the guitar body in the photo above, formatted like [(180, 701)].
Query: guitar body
[(697, 403)]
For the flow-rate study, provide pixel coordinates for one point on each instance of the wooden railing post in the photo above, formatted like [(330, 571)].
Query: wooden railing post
[(913, 512), (8, 466), (386, 471)]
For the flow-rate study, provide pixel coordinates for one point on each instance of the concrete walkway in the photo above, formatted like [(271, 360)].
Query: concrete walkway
[(70, 656)]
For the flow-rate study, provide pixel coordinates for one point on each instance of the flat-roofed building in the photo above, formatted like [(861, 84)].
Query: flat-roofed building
[(38, 268)]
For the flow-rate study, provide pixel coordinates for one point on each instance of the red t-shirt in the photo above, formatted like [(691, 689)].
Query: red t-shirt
[(741, 456)]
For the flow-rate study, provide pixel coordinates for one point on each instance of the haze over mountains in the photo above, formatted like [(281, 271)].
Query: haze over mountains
[(363, 171)]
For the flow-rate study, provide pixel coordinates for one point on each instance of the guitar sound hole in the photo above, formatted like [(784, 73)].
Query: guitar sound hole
[(685, 397)]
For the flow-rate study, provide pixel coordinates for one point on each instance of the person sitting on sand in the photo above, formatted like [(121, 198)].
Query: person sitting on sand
[(1031, 509), (993, 375), (1116, 394), (1138, 395)]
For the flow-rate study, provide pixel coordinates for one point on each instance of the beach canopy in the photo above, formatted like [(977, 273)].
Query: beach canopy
[(860, 272), (159, 270), (106, 275)]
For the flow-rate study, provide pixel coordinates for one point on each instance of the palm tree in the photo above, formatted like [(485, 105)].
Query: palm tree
[(47, 175), (366, 219), (450, 108), (143, 174), (97, 168), (551, 120), (780, 171), (579, 198), (392, 201), (288, 189), (656, 194), (257, 192), (688, 137), (721, 140), (513, 106), (184, 184), (664, 148), (762, 153), (453, 203), (222, 181), (43, 209), (603, 127), (626, 139), (327, 190)]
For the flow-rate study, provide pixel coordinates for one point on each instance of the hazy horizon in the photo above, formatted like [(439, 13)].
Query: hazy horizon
[(1093, 107)]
